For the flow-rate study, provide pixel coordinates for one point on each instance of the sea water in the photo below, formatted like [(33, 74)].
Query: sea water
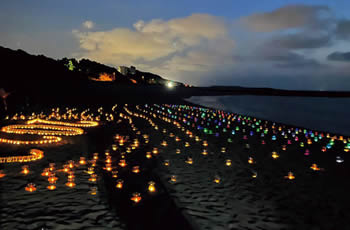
[(317, 113)]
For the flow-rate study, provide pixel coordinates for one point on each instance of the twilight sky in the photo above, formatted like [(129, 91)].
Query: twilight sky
[(275, 43)]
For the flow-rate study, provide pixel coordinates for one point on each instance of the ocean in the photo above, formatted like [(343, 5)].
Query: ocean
[(321, 114)]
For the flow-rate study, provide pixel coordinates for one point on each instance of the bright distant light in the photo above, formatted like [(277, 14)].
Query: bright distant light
[(170, 85)]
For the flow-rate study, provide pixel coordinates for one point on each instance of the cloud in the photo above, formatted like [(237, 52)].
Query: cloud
[(88, 24), (199, 42), (339, 56), (284, 58), (288, 17), (343, 29), (303, 40)]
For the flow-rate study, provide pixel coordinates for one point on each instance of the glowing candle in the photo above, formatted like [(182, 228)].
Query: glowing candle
[(151, 186), (51, 187), (155, 151), (120, 183), (30, 187), (122, 163), (93, 178), (148, 155), (108, 159), (93, 191), (173, 178), (70, 184), (82, 161), (290, 176), (315, 167), (2, 174), (166, 162), (25, 170), (275, 155), (250, 160), (52, 179), (46, 172), (136, 169), (189, 160), (228, 162), (339, 159), (136, 197), (217, 179)]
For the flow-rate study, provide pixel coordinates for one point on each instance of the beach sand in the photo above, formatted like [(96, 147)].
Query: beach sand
[(313, 200)]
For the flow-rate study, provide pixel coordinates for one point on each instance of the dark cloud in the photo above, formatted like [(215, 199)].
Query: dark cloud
[(289, 17), (301, 63), (339, 56), (300, 41), (284, 58), (343, 29)]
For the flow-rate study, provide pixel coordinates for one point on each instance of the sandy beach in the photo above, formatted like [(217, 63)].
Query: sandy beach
[(210, 169)]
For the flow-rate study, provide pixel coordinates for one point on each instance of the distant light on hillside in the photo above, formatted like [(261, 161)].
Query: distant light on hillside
[(170, 84)]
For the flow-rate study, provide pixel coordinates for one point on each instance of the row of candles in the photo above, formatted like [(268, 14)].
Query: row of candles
[(228, 162)]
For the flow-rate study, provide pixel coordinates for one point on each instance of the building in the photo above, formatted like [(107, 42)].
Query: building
[(123, 70), (126, 70), (132, 70)]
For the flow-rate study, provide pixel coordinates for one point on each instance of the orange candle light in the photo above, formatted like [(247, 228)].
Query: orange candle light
[(290, 176), (136, 169), (151, 186), (25, 170), (120, 183), (30, 187), (136, 197)]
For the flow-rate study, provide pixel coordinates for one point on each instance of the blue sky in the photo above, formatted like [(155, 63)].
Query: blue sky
[(275, 43)]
